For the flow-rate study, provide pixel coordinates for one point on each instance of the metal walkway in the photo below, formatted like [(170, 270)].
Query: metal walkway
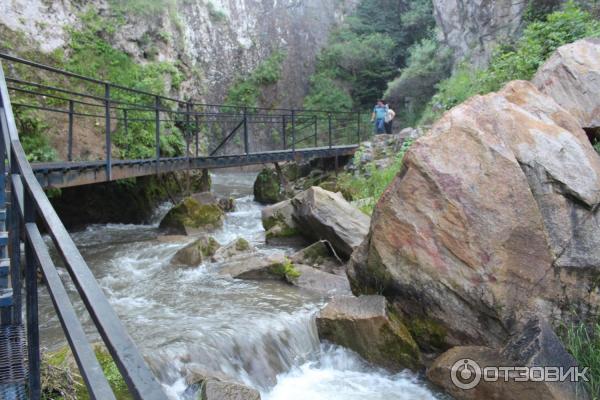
[(212, 136)]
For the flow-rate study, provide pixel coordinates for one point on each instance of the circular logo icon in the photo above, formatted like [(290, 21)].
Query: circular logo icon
[(465, 374)]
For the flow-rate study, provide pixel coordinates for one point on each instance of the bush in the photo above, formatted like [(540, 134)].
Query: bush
[(428, 64), (369, 187), (520, 61), (246, 91)]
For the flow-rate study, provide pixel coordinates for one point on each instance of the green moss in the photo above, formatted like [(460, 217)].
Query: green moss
[(429, 333), (209, 247), (267, 187), (281, 231), (398, 343), (285, 270), (242, 244), (190, 213)]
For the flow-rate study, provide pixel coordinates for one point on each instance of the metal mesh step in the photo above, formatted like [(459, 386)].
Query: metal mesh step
[(13, 365)]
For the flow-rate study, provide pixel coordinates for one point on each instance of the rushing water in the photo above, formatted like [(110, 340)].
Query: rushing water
[(188, 321)]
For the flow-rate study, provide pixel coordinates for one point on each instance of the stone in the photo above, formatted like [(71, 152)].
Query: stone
[(493, 215), (196, 252), (318, 255), (207, 385), (200, 181), (321, 282), (268, 187), (320, 214), (214, 389), (363, 325), (253, 266), (278, 221), (536, 345), (237, 247), (192, 216), (571, 76)]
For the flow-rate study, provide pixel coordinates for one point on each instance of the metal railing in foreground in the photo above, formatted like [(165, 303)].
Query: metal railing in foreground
[(27, 205)]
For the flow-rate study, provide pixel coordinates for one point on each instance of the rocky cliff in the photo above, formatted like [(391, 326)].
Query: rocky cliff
[(213, 41), (472, 28)]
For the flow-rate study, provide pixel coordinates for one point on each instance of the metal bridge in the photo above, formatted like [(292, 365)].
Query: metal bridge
[(183, 135)]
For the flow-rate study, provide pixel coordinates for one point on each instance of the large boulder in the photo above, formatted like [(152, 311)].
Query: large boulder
[(535, 346), (268, 188), (493, 214), (193, 214), (320, 214), (196, 252), (363, 325), (571, 76)]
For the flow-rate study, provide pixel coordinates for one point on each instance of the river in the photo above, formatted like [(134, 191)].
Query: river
[(184, 320)]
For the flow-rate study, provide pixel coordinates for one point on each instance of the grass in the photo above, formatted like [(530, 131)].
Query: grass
[(368, 187), (584, 344)]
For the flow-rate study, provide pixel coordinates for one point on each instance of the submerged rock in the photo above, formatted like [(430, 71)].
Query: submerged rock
[(194, 214), (268, 187), (363, 325), (320, 214), (197, 252), (534, 346), (493, 215)]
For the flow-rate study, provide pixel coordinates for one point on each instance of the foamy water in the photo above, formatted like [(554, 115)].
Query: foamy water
[(189, 320)]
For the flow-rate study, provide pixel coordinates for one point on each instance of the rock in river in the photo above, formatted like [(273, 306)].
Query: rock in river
[(320, 214), (197, 252), (363, 325), (193, 214)]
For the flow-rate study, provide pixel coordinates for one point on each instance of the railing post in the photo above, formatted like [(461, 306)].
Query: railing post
[(15, 248), (188, 109), (358, 127), (107, 132), (157, 129), (70, 138), (197, 117), (126, 126), (294, 132), (329, 129), (284, 133), (246, 144), (316, 132), (33, 333)]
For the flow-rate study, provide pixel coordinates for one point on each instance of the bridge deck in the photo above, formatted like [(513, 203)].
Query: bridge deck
[(67, 174)]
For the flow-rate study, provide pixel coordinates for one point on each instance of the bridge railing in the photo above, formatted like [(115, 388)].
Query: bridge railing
[(142, 125), (29, 205)]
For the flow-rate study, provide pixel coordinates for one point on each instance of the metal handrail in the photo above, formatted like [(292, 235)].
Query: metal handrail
[(28, 205)]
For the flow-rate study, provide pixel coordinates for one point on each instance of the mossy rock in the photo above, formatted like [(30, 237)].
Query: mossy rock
[(267, 187), (200, 181), (190, 215), (285, 271), (195, 253), (233, 249)]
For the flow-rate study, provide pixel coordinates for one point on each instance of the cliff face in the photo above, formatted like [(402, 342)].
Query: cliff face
[(471, 28), (213, 41)]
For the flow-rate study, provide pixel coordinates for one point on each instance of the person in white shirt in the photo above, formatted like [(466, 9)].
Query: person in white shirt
[(389, 119)]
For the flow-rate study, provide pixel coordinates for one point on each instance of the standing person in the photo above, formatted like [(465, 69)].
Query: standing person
[(389, 118), (378, 117)]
